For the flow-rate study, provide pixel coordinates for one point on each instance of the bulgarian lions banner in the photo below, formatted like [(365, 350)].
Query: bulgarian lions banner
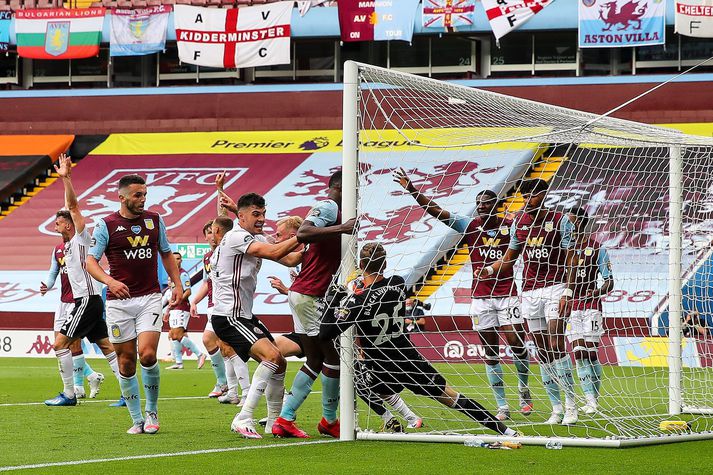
[(379, 20), (235, 37), (57, 33), (608, 23), (139, 32), (507, 15), (448, 14), (694, 18)]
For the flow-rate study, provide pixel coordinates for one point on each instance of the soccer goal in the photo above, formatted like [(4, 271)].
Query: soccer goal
[(648, 194)]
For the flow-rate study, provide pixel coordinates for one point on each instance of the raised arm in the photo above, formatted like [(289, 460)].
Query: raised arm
[(219, 182), (321, 223), (64, 170), (274, 252), (428, 205)]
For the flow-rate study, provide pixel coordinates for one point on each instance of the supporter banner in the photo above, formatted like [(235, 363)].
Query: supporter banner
[(609, 23), (303, 6), (379, 20), (447, 15), (5, 20), (59, 33), (694, 18), (139, 32), (507, 15), (234, 37)]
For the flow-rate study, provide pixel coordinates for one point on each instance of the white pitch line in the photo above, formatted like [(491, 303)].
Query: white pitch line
[(150, 456), (98, 401)]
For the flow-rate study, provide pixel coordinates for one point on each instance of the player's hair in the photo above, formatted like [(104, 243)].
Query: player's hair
[(176, 253), (372, 258), (224, 223), (207, 226), (127, 180), (581, 215), (293, 222), (488, 193), (335, 181), (65, 214), (251, 199), (535, 186)]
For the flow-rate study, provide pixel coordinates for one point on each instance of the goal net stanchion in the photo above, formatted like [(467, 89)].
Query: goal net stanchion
[(649, 195)]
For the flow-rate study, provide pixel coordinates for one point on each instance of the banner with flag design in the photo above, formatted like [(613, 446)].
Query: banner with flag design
[(380, 20), (609, 23), (694, 18), (235, 37), (448, 14), (5, 20), (507, 15), (138, 32), (56, 33)]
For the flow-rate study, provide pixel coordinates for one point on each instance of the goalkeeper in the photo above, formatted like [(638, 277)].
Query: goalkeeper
[(377, 310)]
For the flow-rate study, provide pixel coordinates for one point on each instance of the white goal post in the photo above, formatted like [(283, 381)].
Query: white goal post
[(648, 194)]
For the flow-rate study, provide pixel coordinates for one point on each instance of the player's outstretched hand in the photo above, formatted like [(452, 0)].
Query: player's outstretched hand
[(43, 288), (63, 167), (220, 180), (165, 315), (349, 226), (194, 310), (119, 289), (278, 285), (402, 179), (565, 307), (176, 296), (227, 202)]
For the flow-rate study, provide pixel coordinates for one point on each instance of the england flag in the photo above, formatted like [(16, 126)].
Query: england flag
[(235, 37), (507, 15)]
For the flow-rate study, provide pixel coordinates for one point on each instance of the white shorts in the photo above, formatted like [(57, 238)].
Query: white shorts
[(495, 312), (126, 319), (178, 319), (209, 324), (61, 314), (305, 313), (587, 325), (539, 306)]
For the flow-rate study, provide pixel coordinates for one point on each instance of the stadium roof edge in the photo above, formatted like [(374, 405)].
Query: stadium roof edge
[(318, 87)]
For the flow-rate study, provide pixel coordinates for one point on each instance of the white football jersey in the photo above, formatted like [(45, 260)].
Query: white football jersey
[(234, 274), (75, 258)]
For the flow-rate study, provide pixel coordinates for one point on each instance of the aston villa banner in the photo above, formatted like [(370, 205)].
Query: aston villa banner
[(234, 37), (139, 32), (610, 23), (56, 33), (447, 15), (507, 15), (5, 20), (694, 18), (379, 20)]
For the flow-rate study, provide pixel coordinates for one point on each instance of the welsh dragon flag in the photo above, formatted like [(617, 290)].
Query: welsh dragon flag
[(57, 33)]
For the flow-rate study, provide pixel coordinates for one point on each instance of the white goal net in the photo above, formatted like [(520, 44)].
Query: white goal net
[(625, 226)]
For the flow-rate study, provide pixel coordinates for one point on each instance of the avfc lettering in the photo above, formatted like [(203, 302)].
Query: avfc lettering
[(140, 253)]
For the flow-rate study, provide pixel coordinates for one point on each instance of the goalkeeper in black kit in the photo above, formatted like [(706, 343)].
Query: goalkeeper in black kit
[(394, 364)]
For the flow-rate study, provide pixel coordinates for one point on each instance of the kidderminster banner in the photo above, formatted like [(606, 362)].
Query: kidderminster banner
[(507, 15), (234, 37), (694, 18), (610, 23)]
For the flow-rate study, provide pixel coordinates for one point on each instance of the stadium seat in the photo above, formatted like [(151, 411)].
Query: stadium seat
[(109, 3), (243, 3), (139, 3), (156, 3), (183, 2), (15, 4), (124, 4), (4, 5), (227, 3), (96, 5), (34, 4), (199, 3)]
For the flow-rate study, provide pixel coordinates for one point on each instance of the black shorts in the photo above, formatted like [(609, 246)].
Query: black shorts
[(392, 377), (240, 333), (86, 320), (296, 338)]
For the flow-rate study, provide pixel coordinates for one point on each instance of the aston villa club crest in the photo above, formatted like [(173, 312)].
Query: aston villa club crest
[(549, 226), (137, 27), (504, 230), (57, 37), (148, 223), (588, 251)]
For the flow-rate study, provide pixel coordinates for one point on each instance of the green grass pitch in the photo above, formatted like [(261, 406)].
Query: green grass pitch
[(92, 432)]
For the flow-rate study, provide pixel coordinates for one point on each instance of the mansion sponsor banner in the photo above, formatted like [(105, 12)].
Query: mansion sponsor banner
[(610, 23), (447, 15), (694, 18), (5, 20), (234, 37), (138, 32), (59, 33), (507, 15), (377, 20)]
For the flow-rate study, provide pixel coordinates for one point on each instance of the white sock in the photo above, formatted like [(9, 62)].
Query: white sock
[(386, 416), (243, 374), (66, 371), (230, 374), (113, 363), (263, 373), (274, 392), (400, 406)]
